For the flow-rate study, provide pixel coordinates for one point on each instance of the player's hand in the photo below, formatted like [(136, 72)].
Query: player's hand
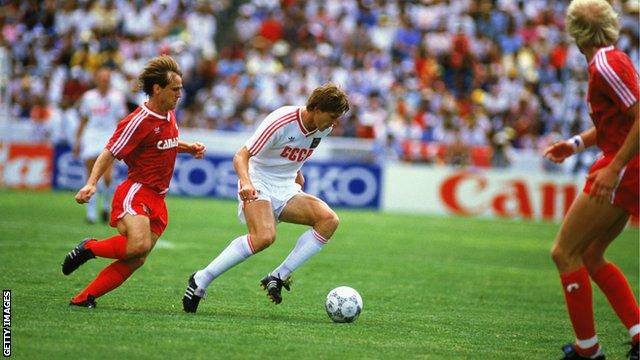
[(604, 181), (247, 193), (559, 151), (198, 149), (83, 195)]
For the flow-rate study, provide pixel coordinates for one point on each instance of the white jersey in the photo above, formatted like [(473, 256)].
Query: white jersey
[(280, 146), (102, 112)]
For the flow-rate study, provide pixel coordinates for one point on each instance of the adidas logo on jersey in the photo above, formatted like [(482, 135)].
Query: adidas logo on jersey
[(291, 138)]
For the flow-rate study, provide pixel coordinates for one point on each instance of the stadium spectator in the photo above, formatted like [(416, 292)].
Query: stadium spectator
[(147, 141), (270, 190), (501, 49), (64, 123), (610, 195)]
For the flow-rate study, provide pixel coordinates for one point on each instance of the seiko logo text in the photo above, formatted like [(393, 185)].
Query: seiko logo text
[(296, 154), (167, 143)]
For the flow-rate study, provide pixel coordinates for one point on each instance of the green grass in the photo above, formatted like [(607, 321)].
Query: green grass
[(433, 287)]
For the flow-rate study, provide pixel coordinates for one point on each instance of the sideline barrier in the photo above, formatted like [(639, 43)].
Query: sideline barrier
[(482, 193), (395, 187), (344, 184), (25, 165)]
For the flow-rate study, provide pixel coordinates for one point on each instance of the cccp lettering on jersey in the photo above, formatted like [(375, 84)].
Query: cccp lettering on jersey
[(167, 143), (296, 154)]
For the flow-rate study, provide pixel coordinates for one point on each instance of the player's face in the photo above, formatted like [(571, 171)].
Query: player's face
[(325, 120), (103, 79), (170, 94)]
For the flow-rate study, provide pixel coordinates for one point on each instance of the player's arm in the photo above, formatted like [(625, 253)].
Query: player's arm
[(197, 149), (241, 163), (606, 179), (561, 150), (104, 161), (81, 126), (300, 178)]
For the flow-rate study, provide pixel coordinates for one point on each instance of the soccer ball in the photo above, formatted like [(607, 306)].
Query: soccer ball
[(343, 304)]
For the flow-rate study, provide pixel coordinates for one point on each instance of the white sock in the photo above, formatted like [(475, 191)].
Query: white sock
[(236, 252), (308, 245), (106, 200), (91, 208)]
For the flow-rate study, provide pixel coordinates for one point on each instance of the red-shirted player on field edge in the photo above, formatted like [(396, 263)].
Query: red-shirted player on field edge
[(610, 194), (147, 141)]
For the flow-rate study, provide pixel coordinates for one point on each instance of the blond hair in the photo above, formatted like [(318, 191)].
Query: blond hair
[(156, 71), (328, 98), (592, 23)]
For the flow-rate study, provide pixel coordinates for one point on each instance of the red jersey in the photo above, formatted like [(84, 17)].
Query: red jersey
[(148, 144), (613, 89)]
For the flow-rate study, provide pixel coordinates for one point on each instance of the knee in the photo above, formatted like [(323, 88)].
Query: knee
[(559, 256), (263, 239), (330, 221), (138, 247), (564, 258)]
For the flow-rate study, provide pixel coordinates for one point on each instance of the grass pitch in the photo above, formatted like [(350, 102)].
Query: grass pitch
[(433, 287)]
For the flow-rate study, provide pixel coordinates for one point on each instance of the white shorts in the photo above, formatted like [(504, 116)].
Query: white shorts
[(277, 195), (92, 144)]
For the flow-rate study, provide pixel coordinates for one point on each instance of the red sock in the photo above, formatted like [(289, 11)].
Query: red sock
[(579, 298), (108, 279), (114, 247), (617, 290)]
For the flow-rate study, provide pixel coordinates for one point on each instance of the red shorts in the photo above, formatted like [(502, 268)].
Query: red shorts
[(136, 199), (625, 195)]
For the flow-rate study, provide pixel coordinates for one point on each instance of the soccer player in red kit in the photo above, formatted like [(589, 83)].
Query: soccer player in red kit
[(147, 141), (610, 194)]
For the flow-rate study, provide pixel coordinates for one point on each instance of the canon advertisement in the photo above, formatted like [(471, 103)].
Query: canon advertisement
[(484, 193)]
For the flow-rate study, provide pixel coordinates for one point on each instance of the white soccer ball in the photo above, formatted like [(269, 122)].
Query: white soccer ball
[(343, 304)]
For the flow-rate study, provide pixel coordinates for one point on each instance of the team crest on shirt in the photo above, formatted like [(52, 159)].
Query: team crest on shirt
[(157, 130), (315, 143)]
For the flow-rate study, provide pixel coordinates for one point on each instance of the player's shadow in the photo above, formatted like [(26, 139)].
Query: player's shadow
[(218, 314)]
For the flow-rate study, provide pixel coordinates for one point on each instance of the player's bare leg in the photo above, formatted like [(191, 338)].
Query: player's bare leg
[(303, 209), (262, 233), (260, 223), (593, 257), (140, 238), (586, 222)]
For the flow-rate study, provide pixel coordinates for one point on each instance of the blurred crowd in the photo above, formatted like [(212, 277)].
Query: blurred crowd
[(496, 74)]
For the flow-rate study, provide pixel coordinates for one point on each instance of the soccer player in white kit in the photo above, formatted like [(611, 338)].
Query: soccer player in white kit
[(270, 183), (100, 110)]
